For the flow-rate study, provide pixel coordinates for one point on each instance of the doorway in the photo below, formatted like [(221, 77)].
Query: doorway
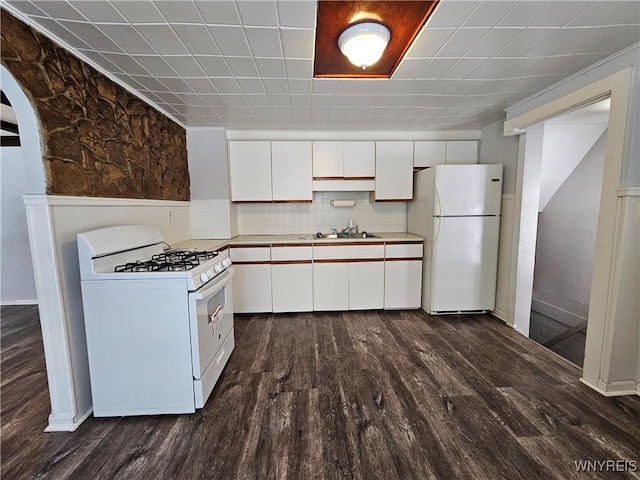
[(572, 165)]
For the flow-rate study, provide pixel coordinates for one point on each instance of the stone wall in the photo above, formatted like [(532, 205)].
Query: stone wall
[(97, 138)]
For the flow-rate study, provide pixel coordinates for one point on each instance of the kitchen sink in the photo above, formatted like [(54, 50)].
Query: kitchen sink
[(345, 235)]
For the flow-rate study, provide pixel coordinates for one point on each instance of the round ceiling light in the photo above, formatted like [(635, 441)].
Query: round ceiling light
[(364, 43)]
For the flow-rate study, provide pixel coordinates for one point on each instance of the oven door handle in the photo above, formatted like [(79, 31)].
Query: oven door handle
[(219, 282)]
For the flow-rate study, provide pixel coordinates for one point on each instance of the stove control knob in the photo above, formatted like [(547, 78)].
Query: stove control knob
[(203, 277), (209, 274), (218, 268), (226, 262)]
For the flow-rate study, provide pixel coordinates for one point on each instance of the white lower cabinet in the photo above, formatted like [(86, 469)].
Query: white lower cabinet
[(252, 278), (292, 278), (331, 286), (403, 275), (252, 288), (366, 285), (402, 284)]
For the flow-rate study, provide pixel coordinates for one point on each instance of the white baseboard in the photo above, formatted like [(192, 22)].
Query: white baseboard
[(64, 423), (614, 389), (504, 316), (561, 315), (29, 301)]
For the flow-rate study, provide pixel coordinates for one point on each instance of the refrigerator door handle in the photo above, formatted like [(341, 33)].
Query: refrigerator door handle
[(436, 233)]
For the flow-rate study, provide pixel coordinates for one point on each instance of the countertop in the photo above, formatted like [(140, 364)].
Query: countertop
[(213, 244)]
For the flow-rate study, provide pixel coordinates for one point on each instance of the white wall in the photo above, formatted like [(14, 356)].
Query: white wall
[(566, 241), (495, 147), (208, 169), (17, 286), (22, 172)]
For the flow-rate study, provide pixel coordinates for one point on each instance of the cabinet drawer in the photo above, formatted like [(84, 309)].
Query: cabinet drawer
[(291, 253), (250, 254), (403, 250), (348, 252)]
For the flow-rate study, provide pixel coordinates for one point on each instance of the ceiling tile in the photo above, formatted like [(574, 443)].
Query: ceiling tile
[(257, 100), (300, 100), (629, 13), (491, 68), (524, 42), (151, 83), (451, 14), (295, 13), (62, 33), (553, 43), (251, 85), (488, 13), (264, 42), (197, 39), (138, 11), (103, 63), (524, 13), (437, 67), (394, 86), (442, 87), (27, 8), (242, 67), (427, 44), (297, 43), (92, 36), (127, 37), (359, 87), (182, 11), (462, 41), (236, 101), (185, 65), (270, 67), (201, 85), (494, 41), (175, 85), (218, 12), (156, 65), (230, 40), (463, 68), (279, 100), (58, 9), (262, 13), (595, 14), (214, 66), (321, 100), (226, 85), (98, 11), (561, 13), (214, 100), (125, 63), (275, 85), (298, 68), (163, 39), (299, 86), (418, 87), (409, 68)]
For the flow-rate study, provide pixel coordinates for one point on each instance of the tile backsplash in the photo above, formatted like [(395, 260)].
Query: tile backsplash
[(223, 219), (320, 216)]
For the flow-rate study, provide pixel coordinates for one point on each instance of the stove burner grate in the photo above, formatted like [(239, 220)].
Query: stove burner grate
[(173, 261)]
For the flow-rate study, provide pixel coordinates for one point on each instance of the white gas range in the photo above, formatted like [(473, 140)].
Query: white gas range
[(159, 322)]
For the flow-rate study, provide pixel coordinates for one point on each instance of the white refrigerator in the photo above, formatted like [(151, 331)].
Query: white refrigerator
[(456, 208)]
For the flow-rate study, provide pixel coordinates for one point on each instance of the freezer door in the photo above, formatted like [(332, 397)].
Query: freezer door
[(467, 190), (464, 264)]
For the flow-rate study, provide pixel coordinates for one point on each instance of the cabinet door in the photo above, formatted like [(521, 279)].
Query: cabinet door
[(462, 152), (429, 154), (291, 171), (250, 171), (327, 160), (331, 286), (394, 171), (366, 285), (402, 284), (292, 286), (359, 159), (252, 288)]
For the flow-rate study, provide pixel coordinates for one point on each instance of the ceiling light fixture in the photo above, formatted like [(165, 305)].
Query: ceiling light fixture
[(364, 43)]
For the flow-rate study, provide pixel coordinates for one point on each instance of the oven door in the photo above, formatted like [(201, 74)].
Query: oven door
[(211, 320)]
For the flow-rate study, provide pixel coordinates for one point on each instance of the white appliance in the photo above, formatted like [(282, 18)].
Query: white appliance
[(159, 323), (456, 208)]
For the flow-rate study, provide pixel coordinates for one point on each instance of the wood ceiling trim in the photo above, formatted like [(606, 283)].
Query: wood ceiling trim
[(404, 19)]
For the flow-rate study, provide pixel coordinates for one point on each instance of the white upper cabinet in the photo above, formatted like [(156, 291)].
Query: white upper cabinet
[(359, 159), (431, 153), (291, 171), (343, 166), (394, 171), (328, 160), (250, 171), (462, 152)]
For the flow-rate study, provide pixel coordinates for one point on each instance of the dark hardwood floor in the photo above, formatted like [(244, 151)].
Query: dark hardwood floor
[(371, 395)]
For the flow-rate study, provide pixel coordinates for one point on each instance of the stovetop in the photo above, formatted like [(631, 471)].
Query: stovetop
[(169, 261)]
